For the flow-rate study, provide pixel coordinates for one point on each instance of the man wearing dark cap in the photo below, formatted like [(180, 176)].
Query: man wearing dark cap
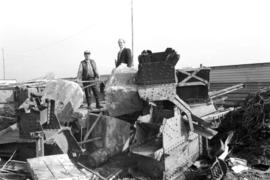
[(88, 72), (124, 55)]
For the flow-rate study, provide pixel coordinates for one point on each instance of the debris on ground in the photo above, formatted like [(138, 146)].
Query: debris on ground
[(57, 167), (249, 157)]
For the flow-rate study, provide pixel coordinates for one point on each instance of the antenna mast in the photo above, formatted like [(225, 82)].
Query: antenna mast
[(132, 29), (4, 70)]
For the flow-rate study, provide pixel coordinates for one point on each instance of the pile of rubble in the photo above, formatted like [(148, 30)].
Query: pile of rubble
[(171, 112), (159, 123), (249, 154), (253, 134), (51, 136)]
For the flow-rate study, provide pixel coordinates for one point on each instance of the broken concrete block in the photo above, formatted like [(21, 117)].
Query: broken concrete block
[(121, 93)]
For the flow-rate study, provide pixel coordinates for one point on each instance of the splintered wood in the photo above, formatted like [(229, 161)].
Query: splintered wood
[(55, 167)]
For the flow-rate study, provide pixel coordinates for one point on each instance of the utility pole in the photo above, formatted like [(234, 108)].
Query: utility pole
[(132, 30), (4, 70)]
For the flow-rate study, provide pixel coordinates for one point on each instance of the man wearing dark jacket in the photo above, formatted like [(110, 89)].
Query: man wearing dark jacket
[(124, 55), (88, 72)]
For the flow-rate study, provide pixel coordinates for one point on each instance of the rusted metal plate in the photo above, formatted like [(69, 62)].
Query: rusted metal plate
[(65, 141), (202, 109), (171, 130), (113, 132), (157, 68), (180, 145), (157, 92), (155, 73)]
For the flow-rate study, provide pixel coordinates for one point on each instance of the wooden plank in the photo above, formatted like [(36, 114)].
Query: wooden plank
[(93, 172), (69, 166), (39, 169), (55, 167), (12, 102), (6, 88)]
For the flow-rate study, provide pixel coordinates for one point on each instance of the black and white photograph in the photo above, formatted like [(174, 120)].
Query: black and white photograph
[(134, 90)]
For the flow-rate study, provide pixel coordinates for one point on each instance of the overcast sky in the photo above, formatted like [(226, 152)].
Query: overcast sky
[(42, 36)]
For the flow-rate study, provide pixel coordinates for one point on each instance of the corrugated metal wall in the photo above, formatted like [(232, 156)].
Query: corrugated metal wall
[(255, 77)]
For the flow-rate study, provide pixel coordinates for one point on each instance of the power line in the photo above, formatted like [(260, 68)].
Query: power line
[(57, 42)]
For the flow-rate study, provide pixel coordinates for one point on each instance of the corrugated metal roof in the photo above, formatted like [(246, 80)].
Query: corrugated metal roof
[(241, 65)]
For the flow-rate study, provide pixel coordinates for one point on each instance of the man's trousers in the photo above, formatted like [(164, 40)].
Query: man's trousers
[(87, 91)]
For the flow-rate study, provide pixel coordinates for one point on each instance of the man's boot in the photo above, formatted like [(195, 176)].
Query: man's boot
[(98, 106), (89, 103)]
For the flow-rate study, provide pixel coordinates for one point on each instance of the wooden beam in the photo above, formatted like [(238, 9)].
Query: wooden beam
[(88, 85), (92, 127), (7, 88), (11, 118), (193, 75), (89, 140), (190, 84), (90, 170), (11, 102)]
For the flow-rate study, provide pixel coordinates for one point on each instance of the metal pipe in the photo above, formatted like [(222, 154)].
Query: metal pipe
[(222, 92), (3, 167)]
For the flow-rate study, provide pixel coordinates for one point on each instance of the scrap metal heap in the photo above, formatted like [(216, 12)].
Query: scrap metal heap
[(251, 126), (158, 122), (176, 118), (48, 123), (38, 131)]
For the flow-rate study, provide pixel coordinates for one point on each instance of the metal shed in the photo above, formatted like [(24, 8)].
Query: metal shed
[(255, 76)]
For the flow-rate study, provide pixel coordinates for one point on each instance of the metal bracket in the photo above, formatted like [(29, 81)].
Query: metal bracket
[(39, 136)]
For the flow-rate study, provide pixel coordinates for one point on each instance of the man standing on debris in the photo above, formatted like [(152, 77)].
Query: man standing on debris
[(88, 72), (124, 55)]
